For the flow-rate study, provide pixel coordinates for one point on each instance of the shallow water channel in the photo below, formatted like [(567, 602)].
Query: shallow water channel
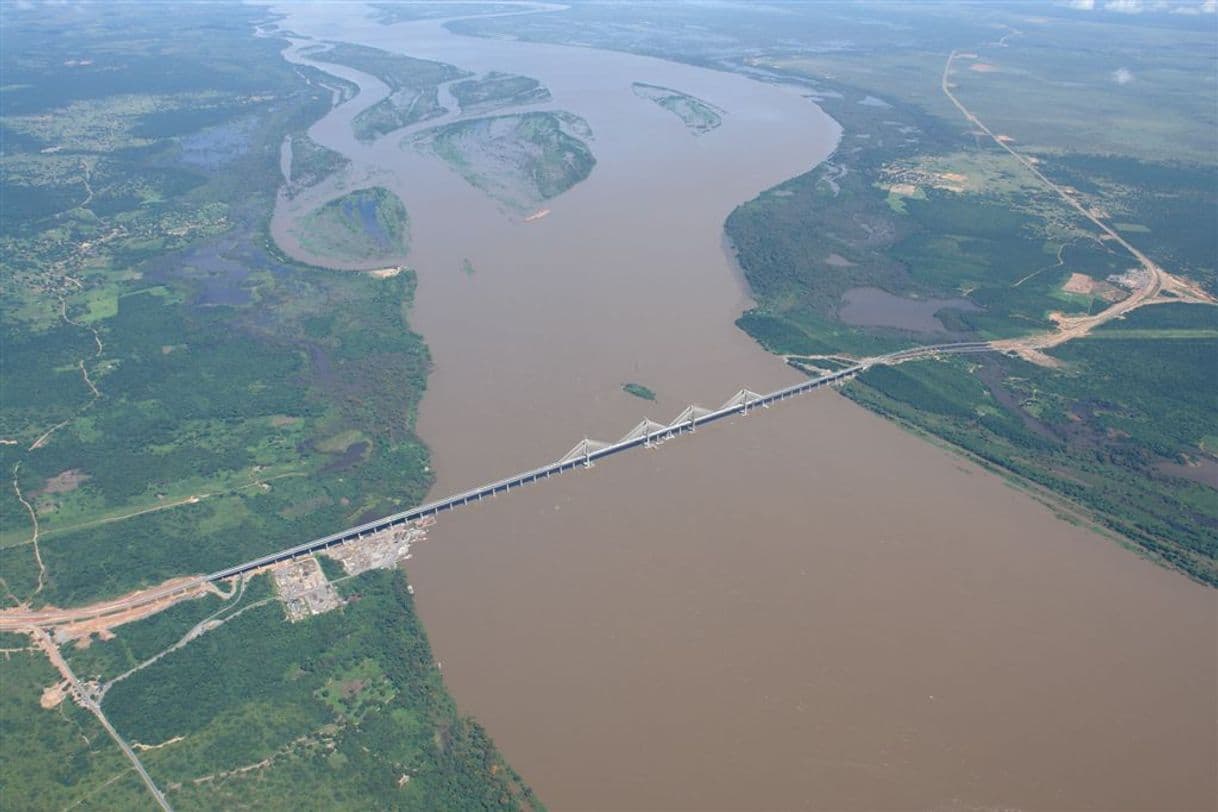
[(802, 608)]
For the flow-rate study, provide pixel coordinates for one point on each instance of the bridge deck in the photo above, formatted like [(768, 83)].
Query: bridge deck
[(562, 466)]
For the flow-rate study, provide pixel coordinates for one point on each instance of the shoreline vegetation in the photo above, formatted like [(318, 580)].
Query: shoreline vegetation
[(179, 394)]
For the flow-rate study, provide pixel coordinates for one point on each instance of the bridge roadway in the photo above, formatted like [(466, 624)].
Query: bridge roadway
[(590, 455)]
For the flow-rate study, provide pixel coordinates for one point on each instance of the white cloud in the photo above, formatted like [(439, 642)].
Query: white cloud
[(1124, 6), (1122, 76), (1204, 7), (1081, 5)]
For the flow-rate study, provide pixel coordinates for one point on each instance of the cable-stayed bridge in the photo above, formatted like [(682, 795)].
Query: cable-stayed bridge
[(646, 434)]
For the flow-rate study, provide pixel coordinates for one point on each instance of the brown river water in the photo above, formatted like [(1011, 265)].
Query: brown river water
[(802, 608)]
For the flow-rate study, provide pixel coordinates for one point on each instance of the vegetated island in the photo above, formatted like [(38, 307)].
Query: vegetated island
[(306, 163), (698, 116), (367, 224), (520, 160), (413, 85), (497, 90), (639, 391)]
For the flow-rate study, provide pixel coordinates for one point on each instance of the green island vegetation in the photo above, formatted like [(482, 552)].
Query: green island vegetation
[(521, 160), (497, 90), (916, 205), (698, 116), (413, 86), (639, 391), (179, 396), (310, 163), (367, 224)]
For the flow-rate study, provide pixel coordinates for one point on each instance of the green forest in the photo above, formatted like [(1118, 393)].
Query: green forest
[(180, 396)]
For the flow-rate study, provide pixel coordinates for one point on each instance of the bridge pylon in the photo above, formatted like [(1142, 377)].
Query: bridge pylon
[(742, 399), (583, 449), (644, 429), (691, 414)]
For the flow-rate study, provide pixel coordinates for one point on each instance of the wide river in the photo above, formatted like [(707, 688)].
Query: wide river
[(802, 608)]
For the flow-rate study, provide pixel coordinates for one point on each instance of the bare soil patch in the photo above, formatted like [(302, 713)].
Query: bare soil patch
[(1079, 283), (65, 481), (386, 273), (54, 695), (1203, 470), (81, 622)]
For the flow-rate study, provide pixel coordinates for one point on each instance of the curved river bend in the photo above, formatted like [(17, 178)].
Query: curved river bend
[(803, 609)]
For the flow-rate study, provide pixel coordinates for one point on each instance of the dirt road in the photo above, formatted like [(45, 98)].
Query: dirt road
[(83, 620), (1157, 282)]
